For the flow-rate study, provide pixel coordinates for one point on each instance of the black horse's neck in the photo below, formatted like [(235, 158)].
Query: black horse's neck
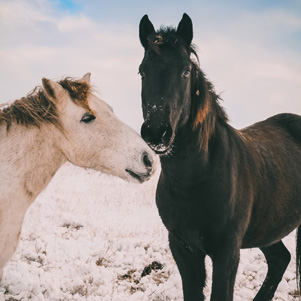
[(205, 107), (195, 142), (188, 152)]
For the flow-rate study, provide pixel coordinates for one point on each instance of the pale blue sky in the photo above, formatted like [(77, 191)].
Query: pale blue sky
[(250, 50)]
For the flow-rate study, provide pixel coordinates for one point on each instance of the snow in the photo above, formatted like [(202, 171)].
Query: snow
[(89, 236)]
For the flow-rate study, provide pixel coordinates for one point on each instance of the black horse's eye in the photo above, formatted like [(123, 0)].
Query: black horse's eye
[(87, 118), (186, 73)]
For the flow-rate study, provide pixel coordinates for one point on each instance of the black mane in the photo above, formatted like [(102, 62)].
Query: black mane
[(164, 37)]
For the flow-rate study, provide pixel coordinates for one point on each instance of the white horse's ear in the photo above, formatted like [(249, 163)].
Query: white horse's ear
[(54, 91), (87, 77)]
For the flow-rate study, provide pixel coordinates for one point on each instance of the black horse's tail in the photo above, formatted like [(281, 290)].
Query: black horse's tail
[(298, 257)]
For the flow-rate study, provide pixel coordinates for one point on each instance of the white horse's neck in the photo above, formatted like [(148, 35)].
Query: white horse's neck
[(33, 163), (29, 160)]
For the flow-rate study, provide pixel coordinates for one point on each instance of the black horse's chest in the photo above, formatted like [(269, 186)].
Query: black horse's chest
[(184, 214)]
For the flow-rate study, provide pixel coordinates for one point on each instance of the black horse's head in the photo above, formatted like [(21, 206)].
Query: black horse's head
[(168, 76)]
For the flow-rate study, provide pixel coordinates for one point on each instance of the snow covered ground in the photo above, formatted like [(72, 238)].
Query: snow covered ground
[(89, 236)]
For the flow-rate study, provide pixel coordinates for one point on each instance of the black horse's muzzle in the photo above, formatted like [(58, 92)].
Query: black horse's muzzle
[(158, 135)]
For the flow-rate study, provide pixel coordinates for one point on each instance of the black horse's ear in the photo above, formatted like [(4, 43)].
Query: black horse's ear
[(145, 29), (185, 30)]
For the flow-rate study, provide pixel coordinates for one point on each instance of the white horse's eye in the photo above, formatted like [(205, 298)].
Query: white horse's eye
[(87, 118)]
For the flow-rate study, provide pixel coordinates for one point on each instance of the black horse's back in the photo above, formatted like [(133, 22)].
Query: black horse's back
[(290, 122)]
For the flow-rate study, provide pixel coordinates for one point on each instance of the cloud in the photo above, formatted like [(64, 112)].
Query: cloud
[(28, 13), (74, 23), (277, 71), (248, 57), (255, 65), (56, 46), (286, 20)]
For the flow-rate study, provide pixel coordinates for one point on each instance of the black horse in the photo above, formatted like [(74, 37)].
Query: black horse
[(220, 189)]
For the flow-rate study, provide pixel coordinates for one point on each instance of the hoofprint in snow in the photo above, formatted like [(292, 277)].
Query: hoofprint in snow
[(89, 236)]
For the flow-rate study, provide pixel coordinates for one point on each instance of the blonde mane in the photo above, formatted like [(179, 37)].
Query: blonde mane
[(36, 108)]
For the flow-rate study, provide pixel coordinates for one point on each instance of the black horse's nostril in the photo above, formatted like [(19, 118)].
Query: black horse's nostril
[(147, 161), (157, 133)]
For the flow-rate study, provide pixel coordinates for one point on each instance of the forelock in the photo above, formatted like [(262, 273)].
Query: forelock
[(164, 37), (78, 90)]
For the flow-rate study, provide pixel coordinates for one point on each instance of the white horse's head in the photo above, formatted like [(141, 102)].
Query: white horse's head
[(93, 137)]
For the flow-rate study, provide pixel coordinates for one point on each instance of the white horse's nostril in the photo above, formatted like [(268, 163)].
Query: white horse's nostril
[(147, 161)]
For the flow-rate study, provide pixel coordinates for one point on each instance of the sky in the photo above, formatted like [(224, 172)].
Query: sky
[(249, 50)]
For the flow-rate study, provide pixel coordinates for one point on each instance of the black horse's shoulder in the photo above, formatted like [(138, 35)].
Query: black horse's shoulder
[(290, 122)]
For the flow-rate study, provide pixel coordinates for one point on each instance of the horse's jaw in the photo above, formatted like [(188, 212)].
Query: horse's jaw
[(136, 177)]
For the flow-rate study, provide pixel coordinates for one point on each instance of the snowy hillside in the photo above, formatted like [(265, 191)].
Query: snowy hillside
[(91, 237)]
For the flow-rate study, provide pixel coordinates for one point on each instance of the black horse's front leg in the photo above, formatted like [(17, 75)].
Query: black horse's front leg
[(225, 263), (192, 269)]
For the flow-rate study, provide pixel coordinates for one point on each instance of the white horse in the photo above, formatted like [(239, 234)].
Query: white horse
[(60, 122)]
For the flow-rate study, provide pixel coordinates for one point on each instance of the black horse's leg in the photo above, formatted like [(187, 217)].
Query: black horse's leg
[(192, 269), (278, 258), (225, 263)]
